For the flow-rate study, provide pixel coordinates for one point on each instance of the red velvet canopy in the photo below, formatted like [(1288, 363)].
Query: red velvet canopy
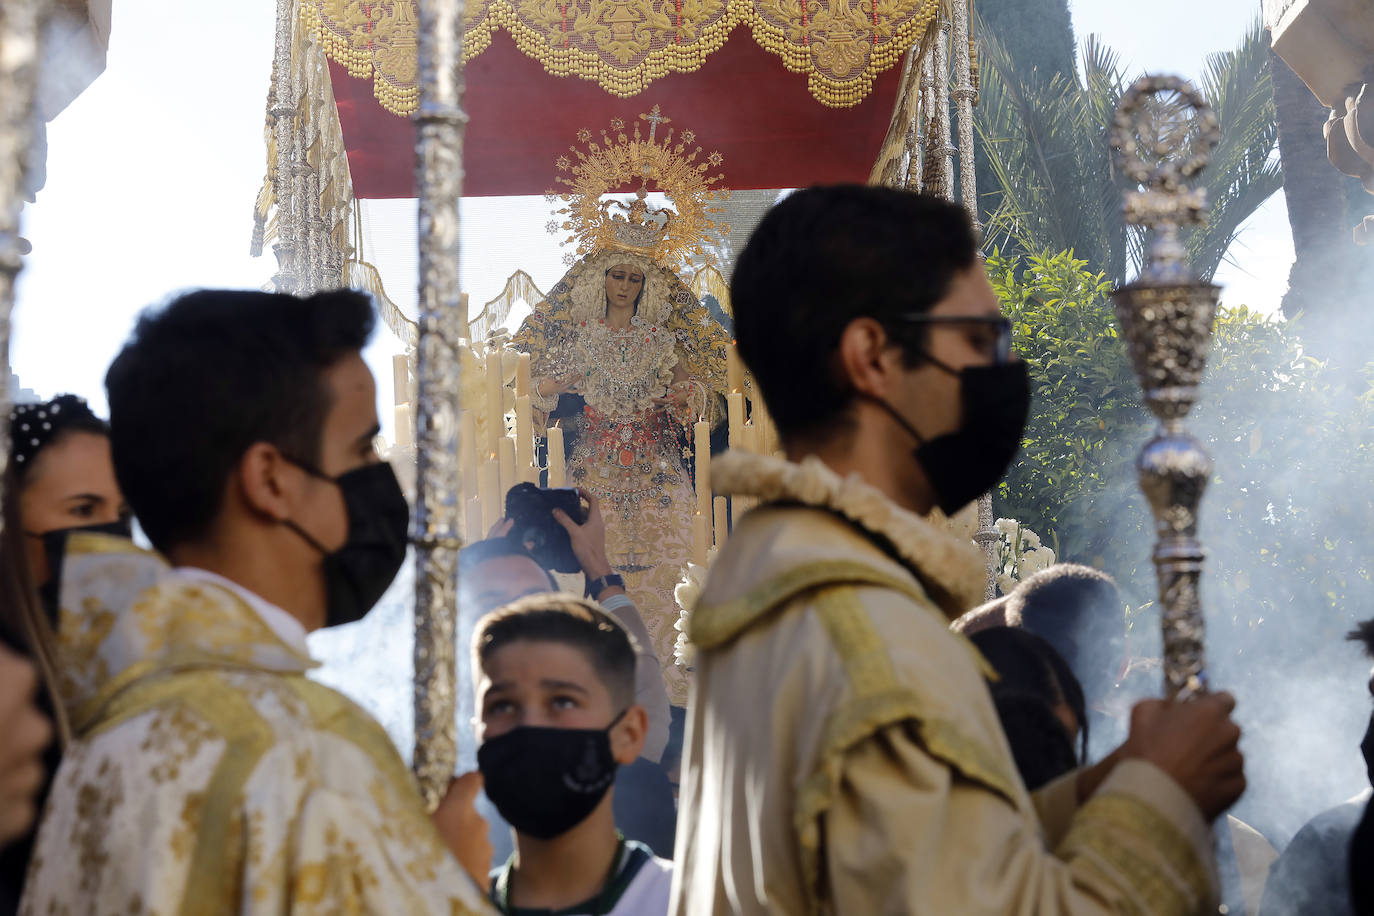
[(742, 102)]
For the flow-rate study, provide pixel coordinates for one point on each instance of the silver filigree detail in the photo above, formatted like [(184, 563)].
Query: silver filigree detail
[(1162, 134), (284, 102), (440, 122)]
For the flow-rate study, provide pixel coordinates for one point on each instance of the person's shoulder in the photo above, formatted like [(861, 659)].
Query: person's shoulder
[(1332, 826), (648, 882)]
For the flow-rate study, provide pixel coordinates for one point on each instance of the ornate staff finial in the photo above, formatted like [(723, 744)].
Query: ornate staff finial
[(1162, 134)]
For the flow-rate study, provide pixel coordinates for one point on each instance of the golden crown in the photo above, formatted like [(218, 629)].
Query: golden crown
[(669, 237)]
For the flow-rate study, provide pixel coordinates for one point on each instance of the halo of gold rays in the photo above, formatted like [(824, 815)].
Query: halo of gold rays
[(622, 156)]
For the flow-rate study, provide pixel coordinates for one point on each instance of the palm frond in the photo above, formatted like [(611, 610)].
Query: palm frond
[(1047, 141)]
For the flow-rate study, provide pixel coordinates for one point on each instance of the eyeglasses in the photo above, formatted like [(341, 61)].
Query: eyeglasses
[(999, 323)]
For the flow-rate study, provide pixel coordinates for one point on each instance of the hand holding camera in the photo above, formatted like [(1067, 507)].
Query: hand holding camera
[(588, 538), (564, 531)]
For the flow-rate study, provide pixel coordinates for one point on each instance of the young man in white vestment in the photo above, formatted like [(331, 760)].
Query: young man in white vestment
[(208, 774), (557, 717), (843, 752)]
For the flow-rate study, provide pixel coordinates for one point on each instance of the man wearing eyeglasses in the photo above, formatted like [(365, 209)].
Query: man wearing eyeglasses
[(844, 755)]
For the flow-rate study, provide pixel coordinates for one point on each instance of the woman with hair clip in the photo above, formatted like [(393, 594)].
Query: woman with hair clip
[(59, 478)]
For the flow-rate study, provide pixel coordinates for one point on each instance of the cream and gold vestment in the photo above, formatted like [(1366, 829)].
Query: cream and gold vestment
[(843, 752), (209, 775)]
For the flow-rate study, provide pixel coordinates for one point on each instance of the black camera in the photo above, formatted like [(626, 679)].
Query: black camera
[(531, 509)]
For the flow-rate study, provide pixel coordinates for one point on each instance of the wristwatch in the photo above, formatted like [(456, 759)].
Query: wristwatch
[(597, 586)]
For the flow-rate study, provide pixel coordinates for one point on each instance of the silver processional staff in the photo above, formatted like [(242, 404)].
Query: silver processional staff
[(1162, 134)]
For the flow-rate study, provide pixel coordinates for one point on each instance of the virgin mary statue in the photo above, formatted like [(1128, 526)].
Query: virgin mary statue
[(626, 360)]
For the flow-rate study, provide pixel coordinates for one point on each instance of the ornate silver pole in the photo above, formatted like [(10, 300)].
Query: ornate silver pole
[(439, 184), (915, 172), (1166, 316), (944, 153), (284, 127), (965, 95), (21, 24)]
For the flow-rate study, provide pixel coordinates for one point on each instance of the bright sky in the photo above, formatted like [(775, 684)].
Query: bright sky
[(152, 174)]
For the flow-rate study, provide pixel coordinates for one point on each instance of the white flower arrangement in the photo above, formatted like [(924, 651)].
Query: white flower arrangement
[(686, 593), (1020, 554)]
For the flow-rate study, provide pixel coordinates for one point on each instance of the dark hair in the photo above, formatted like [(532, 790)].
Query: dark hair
[(823, 257), (1028, 665), (1039, 746), (24, 625), (36, 427), (569, 620), (208, 375), (1079, 611)]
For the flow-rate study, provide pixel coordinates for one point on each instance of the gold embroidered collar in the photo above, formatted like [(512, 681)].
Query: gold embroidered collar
[(951, 569), (127, 616)]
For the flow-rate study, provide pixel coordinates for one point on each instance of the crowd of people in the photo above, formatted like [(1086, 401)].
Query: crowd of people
[(860, 737)]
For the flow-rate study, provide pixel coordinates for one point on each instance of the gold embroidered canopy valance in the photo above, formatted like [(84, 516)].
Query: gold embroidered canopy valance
[(624, 45)]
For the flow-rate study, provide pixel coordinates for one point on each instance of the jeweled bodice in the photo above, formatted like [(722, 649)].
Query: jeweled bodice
[(624, 369)]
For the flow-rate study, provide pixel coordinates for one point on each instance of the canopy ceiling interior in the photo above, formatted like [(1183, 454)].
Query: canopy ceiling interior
[(785, 108)]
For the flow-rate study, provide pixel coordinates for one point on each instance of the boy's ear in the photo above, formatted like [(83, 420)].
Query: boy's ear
[(627, 738)]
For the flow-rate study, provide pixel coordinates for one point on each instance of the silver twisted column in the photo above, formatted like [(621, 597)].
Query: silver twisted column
[(965, 95), (283, 111), (1166, 316), (439, 183), (21, 23)]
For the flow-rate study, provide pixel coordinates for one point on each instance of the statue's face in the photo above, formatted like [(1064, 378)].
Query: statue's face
[(623, 285)]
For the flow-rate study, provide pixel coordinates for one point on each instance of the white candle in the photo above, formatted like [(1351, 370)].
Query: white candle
[(400, 378), (496, 414), (722, 517), (734, 369), (700, 539), (735, 408), (404, 436), (473, 517), (702, 446), (524, 439), (463, 330), (522, 376), (467, 452), (768, 431), (557, 464), (490, 483), (506, 459)]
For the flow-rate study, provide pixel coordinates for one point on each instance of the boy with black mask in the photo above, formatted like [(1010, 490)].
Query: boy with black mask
[(206, 771), (843, 752), (556, 717)]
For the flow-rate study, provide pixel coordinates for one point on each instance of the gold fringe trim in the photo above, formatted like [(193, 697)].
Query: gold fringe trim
[(842, 45), (710, 282)]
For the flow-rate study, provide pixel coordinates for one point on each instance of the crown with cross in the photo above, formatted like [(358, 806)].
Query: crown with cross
[(619, 159)]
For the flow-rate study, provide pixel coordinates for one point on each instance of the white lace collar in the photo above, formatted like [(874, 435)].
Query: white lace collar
[(953, 565)]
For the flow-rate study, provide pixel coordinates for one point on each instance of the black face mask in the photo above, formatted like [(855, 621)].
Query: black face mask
[(962, 465), (545, 781), (358, 573), (55, 547)]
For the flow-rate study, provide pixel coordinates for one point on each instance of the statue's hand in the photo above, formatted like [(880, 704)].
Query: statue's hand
[(678, 399), (553, 387)]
